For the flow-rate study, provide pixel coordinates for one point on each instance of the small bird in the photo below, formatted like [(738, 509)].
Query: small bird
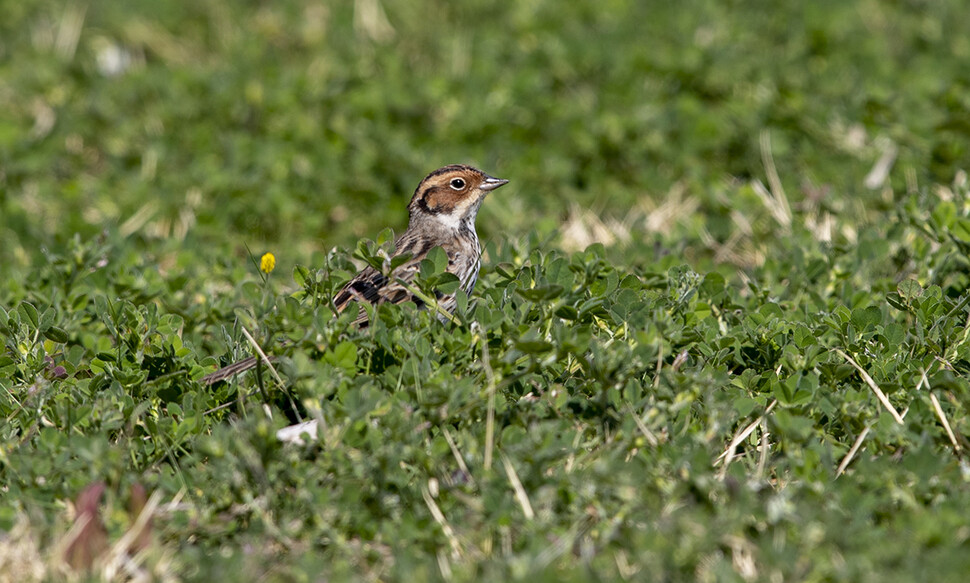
[(442, 214)]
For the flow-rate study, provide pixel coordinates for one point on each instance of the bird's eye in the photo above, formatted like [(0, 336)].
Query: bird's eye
[(457, 183)]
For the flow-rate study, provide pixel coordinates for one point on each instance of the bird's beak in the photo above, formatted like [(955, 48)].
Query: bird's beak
[(491, 183)]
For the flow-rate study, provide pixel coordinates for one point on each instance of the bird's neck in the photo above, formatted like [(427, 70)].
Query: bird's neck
[(445, 225)]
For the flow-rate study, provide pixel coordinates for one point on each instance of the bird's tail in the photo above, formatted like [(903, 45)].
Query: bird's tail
[(231, 370)]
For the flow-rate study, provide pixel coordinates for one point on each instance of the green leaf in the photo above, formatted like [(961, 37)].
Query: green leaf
[(386, 236), (541, 293), (896, 301), (631, 282), (399, 260), (439, 258), (605, 286), (506, 270), (894, 334), (867, 317), (343, 355), (28, 314), (461, 301), (56, 334), (712, 286), (784, 390), (792, 425), (559, 273), (909, 289), (533, 346), (367, 251), (300, 275), (434, 263), (961, 230), (47, 319), (944, 214), (102, 307), (770, 310), (803, 336), (447, 283), (567, 312), (745, 405)]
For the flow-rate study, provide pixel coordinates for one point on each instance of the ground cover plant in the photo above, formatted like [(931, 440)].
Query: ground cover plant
[(720, 331)]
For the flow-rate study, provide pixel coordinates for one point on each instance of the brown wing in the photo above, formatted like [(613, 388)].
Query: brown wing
[(366, 286), (374, 287)]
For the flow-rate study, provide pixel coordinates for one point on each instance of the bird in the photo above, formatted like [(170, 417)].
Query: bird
[(441, 214)]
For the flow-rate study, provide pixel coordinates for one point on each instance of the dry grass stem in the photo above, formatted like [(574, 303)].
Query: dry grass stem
[(880, 171), (647, 434), (852, 451), (520, 493), (872, 385), (727, 456), (584, 227), (439, 517), (490, 390), (457, 454), (946, 424), (776, 200), (763, 458), (272, 369), (266, 360)]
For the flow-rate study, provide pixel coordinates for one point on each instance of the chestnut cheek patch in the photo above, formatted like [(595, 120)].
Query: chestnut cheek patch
[(439, 200)]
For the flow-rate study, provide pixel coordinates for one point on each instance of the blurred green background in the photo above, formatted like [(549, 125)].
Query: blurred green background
[(805, 160), (209, 126)]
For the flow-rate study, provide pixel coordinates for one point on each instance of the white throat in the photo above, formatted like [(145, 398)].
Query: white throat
[(456, 222)]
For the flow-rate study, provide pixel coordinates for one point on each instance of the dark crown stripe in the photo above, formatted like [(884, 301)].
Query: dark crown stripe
[(451, 168)]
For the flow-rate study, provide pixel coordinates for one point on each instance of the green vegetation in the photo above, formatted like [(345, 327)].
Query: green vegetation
[(731, 225)]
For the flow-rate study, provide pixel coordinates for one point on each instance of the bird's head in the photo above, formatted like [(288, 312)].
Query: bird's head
[(452, 195)]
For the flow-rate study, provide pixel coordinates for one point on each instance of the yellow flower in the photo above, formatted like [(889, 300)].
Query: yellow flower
[(267, 263)]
